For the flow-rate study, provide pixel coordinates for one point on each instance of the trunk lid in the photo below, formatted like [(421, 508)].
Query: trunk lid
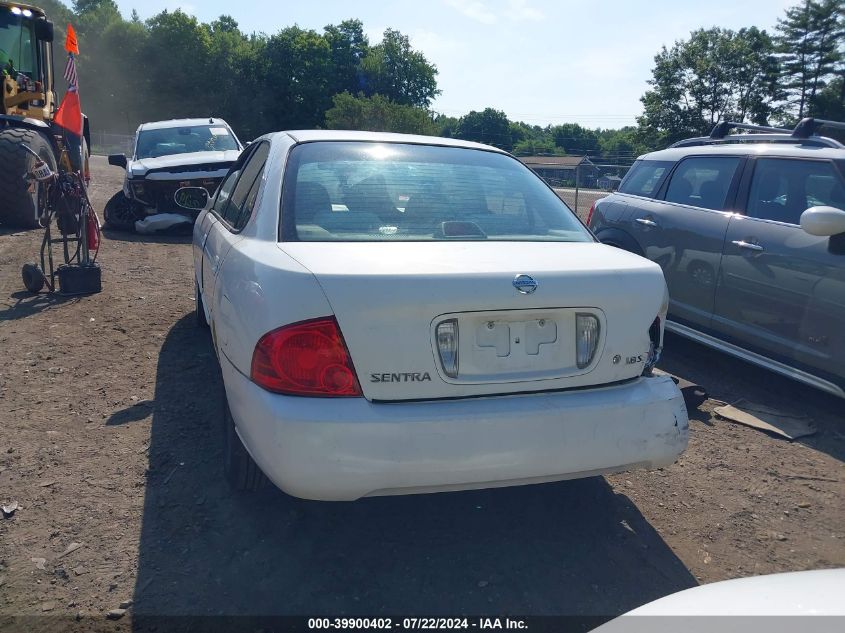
[(388, 299)]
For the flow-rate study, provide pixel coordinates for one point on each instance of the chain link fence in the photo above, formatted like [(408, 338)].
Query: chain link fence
[(105, 143), (587, 184)]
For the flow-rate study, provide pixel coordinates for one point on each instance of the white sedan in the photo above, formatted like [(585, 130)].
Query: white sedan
[(400, 314)]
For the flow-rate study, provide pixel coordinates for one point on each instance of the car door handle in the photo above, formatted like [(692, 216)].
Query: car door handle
[(748, 245), (647, 222)]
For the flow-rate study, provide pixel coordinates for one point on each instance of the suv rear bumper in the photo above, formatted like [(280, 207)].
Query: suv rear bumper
[(347, 448)]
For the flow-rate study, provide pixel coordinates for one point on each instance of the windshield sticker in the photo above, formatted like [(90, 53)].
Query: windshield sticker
[(219, 131)]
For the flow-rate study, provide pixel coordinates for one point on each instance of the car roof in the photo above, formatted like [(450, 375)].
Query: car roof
[(795, 150), (310, 136), (160, 125)]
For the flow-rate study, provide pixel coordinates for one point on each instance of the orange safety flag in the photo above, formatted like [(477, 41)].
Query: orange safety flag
[(69, 115), (71, 45)]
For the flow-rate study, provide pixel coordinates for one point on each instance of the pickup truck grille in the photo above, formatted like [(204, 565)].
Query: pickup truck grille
[(159, 193)]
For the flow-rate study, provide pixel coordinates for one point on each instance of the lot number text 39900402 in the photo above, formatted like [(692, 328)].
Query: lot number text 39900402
[(412, 624)]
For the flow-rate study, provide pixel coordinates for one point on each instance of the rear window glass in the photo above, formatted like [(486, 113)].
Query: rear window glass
[(703, 181), (644, 177), (782, 189), (354, 191)]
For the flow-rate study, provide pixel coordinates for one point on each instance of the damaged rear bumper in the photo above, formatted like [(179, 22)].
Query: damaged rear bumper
[(343, 449)]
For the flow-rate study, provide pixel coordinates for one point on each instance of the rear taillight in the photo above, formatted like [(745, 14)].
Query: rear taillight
[(590, 213), (586, 339), (308, 358)]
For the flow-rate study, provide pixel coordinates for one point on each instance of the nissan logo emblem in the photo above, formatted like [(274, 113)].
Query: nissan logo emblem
[(525, 284)]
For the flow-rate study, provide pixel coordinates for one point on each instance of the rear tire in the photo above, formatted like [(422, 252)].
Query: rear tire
[(18, 206), (86, 163), (200, 306), (33, 278), (242, 473), (119, 213)]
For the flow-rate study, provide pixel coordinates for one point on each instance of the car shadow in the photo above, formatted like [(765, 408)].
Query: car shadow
[(11, 230), (26, 304), (728, 379), (178, 236), (566, 548)]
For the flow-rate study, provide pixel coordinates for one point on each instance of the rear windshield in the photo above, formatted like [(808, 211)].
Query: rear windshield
[(645, 177), (367, 192)]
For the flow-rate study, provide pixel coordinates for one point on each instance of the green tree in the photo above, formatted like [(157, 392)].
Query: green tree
[(378, 114), (106, 88), (348, 46), (176, 62), (489, 126), (810, 39), (830, 102), (717, 74), (446, 125), (94, 16), (58, 13), (537, 147), (574, 139), (295, 81), (527, 136), (621, 146), (393, 69), (230, 55), (172, 65)]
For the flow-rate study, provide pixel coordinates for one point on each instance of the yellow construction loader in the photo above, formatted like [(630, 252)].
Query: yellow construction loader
[(29, 104)]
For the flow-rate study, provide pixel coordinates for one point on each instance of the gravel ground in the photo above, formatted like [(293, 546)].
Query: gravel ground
[(110, 444)]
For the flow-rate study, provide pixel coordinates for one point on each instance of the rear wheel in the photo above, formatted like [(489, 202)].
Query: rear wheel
[(119, 212), (200, 307), (20, 206), (241, 471)]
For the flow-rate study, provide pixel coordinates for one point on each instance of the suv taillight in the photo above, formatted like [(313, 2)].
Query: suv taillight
[(590, 213), (308, 358)]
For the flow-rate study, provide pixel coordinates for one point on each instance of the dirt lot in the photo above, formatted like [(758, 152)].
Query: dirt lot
[(109, 442)]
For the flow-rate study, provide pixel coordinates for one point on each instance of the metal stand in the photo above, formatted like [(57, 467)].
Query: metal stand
[(68, 204)]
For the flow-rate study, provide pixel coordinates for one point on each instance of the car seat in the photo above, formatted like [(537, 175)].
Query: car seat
[(681, 191), (763, 203), (370, 196), (427, 208), (311, 198), (712, 195)]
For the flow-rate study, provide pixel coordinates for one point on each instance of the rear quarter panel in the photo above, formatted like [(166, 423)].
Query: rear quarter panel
[(261, 289)]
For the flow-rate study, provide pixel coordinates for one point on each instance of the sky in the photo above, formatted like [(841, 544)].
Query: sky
[(540, 61)]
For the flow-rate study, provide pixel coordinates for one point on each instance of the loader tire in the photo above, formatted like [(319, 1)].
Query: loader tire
[(18, 206)]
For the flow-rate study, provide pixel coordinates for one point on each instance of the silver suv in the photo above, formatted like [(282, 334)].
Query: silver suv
[(750, 232)]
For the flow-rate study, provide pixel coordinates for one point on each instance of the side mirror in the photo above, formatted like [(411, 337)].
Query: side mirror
[(193, 198), (118, 160), (44, 30), (823, 221)]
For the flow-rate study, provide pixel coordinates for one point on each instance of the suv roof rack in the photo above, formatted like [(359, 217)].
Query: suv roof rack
[(805, 132)]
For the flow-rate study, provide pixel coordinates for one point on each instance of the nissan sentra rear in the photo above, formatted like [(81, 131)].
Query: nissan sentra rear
[(408, 314)]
